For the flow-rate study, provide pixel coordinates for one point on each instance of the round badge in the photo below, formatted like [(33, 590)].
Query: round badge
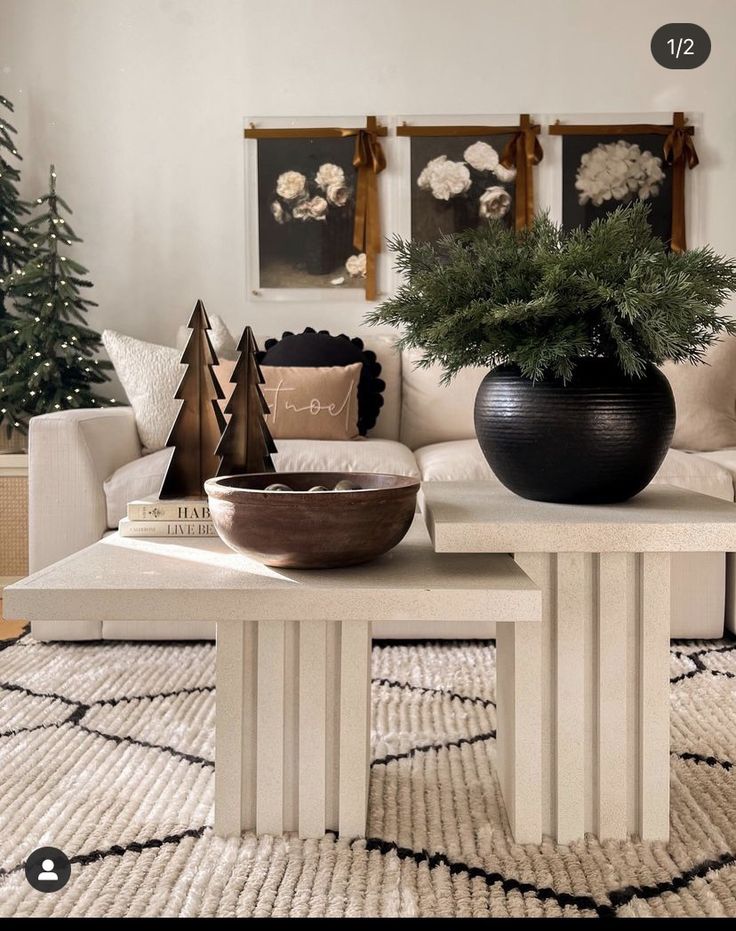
[(48, 869), (680, 46)]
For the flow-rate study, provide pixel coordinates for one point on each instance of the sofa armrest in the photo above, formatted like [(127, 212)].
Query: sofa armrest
[(70, 454)]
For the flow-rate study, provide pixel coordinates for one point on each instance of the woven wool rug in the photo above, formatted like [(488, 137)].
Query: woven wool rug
[(106, 751)]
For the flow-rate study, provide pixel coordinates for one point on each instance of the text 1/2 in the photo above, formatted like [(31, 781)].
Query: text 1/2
[(680, 45)]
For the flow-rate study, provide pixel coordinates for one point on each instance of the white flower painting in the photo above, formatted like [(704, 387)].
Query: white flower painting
[(306, 213), (296, 199), (291, 185), (355, 265), (495, 202), (481, 156), (606, 171), (504, 174), (444, 178), (329, 175), (459, 182), (618, 171)]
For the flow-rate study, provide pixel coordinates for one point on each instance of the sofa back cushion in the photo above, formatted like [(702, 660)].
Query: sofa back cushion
[(705, 398), (432, 412)]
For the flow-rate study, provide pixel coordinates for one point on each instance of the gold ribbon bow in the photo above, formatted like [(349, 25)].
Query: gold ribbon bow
[(679, 151), (369, 161), (522, 152)]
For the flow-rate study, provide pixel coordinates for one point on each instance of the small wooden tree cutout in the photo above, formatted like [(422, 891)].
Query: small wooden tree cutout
[(246, 444), (200, 421)]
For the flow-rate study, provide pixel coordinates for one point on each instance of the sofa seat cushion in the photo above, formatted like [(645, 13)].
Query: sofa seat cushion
[(142, 477), (726, 459), (362, 455), (456, 461), (696, 473), (463, 461)]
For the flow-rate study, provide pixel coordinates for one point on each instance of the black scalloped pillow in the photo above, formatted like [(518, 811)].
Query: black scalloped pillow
[(312, 348)]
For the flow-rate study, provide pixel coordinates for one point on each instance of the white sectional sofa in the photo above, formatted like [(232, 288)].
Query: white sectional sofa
[(85, 465)]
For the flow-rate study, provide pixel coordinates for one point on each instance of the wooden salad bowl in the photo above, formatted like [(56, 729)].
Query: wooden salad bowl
[(302, 529)]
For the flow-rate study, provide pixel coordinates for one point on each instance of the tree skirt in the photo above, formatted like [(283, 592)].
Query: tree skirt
[(106, 751)]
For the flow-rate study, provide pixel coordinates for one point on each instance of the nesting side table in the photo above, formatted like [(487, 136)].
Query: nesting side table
[(583, 698), (293, 654)]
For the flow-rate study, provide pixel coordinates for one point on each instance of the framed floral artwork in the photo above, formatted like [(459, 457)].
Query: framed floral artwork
[(315, 208), (607, 166), (464, 175)]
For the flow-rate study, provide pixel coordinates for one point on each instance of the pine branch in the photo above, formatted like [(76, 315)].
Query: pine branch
[(541, 299)]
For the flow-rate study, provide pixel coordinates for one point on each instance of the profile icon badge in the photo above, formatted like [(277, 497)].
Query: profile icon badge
[(48, 869)]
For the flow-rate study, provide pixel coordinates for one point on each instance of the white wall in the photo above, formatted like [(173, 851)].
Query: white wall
[(141, 103)]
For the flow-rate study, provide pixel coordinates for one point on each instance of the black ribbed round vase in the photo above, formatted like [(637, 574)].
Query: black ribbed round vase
[(597, 439)]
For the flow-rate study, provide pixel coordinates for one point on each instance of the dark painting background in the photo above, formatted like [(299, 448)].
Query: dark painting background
[(575, 214), (282, 248), (431, 217)]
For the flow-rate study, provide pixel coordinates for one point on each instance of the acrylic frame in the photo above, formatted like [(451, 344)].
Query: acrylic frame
[(337, 295), (551, 179)]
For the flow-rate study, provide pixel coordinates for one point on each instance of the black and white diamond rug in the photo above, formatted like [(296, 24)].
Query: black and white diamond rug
[(107, 749)]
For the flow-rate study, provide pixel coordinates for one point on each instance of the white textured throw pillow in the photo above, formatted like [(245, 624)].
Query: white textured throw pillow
[(150, 375), (221, 338)]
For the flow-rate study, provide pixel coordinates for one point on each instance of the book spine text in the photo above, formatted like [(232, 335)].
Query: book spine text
[(165, 528), (168, 511)]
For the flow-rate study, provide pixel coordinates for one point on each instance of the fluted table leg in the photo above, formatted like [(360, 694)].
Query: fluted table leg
[(292, 727), (598, 697)]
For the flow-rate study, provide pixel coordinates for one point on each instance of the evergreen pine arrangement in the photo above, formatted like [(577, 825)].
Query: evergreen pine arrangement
[(13, 249), (50, 350), (542, 298)]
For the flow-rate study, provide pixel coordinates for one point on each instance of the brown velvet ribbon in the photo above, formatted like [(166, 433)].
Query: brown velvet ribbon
[(369, 161), (522, 152), (678, 150)]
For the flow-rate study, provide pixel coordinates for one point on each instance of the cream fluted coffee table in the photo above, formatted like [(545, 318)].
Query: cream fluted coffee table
[(293, 654), (583, 698)]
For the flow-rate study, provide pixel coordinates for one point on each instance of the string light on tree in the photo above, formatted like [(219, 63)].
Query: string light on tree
[(13, 250), (50, 316)]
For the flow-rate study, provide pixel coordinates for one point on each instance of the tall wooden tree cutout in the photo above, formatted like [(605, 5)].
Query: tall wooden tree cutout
[(246, 444), (199, 424)]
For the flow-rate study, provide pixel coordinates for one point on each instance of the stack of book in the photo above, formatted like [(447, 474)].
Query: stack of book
[(151, 517)]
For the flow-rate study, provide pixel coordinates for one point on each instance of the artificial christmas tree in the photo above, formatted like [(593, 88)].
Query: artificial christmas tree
[(51, 361), (246, 444), (13, 248), (198, 427)]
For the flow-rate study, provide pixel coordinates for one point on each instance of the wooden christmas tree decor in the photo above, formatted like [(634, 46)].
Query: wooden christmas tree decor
[(199, 424), (246, 444)]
